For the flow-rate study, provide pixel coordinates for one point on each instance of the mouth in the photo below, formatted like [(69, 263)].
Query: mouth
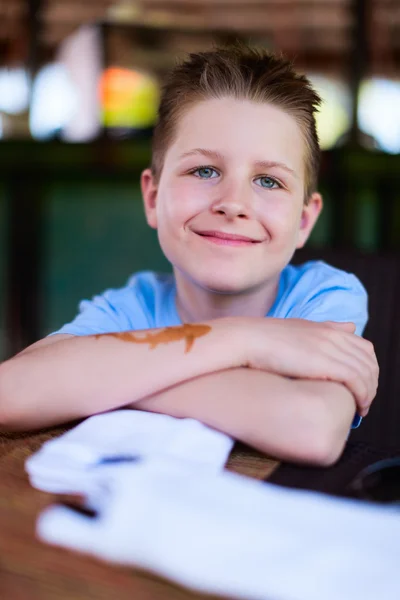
[(227, 239)]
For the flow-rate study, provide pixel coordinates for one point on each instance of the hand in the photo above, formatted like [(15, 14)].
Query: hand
[(308, 350), (351, 328)]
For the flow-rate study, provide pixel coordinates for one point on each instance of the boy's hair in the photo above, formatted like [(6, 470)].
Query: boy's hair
[(243, 73)]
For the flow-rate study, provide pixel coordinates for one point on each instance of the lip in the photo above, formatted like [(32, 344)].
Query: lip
[(222, 235)]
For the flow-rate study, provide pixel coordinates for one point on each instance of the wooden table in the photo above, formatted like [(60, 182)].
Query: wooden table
[(31, 570)]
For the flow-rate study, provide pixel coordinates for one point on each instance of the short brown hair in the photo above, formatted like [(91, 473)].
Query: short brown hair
[(243, 73)]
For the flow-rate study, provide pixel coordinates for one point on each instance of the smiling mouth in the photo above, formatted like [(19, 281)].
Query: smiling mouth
[(223, 239)]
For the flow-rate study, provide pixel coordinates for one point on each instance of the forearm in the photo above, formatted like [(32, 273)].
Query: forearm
[(79, 376), (298, 420)]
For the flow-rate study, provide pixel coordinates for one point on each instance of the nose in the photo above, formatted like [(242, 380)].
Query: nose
[(233, 201)]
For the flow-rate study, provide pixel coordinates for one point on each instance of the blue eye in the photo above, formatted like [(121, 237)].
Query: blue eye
[(205, 172), (268, 182)]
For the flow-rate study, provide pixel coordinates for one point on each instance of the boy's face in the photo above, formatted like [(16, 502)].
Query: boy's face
[(235, 167)]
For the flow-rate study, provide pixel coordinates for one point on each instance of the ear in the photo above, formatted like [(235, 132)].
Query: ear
[(309, 216), (149, 194)]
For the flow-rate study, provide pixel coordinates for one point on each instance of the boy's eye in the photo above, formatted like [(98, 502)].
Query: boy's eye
[(204, 172), (268, 182)]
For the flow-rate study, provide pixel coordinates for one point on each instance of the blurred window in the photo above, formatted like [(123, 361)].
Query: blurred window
[(14, 90), (379, 112), (53, 101), (334, 116)]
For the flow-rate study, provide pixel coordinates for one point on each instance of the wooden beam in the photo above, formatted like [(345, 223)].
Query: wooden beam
[(250, 3), (64, 13)]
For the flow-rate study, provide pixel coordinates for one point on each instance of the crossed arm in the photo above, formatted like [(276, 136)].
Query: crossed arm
[(303, 420), (292, 419), (288, 402)]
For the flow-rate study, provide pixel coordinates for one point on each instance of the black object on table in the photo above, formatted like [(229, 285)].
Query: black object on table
[(337, 480)]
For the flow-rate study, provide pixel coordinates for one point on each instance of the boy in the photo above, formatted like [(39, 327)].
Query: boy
[(237, 337)]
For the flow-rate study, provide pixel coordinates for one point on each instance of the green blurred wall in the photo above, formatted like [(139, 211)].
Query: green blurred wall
[(3, 259), (95, 236)]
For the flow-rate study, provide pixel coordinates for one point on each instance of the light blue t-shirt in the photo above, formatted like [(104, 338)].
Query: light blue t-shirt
[(314, 290)]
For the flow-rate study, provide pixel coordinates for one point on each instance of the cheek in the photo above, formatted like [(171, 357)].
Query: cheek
[(183, 201), (280, 219)]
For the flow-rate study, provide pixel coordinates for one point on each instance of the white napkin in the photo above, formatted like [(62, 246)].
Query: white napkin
[(73, 462), (226, 534)]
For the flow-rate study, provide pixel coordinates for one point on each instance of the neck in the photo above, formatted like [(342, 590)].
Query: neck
[(195, 304)]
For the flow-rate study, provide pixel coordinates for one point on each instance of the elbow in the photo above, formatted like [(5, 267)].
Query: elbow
[(314, 439), (4, 400), (325, 452), (325, 426), (9, 419), (307, 443), (325, 442), (318, 449)]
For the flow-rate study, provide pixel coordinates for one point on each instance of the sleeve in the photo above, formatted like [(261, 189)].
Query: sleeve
[(103, 314), (341, 297), (336, 296)]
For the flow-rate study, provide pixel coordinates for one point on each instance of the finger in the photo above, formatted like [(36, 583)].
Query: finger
[(366, 367), (344, 331), (343, 326), (360, 348), (361, 342), (371, 365), (370, 378), (346, 370), (63, 526)]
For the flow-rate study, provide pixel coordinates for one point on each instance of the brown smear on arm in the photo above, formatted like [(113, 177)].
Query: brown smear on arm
[(188, 332)]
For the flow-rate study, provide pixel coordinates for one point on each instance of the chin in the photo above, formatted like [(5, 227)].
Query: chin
[(225, 283)]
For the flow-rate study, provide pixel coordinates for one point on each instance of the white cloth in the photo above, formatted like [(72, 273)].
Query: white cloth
[(174, 513), (73, 462), (226, 534)]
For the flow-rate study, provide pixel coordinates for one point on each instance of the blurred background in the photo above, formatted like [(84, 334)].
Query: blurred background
[(79, 88)]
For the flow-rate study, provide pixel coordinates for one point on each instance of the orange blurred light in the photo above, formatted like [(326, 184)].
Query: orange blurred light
[(128, 98)]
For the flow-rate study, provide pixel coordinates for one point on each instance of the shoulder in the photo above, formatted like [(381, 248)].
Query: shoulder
[(137, 300), (141, 280), (140, 286), (147, 283), (316, 276), (132, 306), (318, 291)]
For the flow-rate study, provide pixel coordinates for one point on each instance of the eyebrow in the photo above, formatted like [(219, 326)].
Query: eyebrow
[(261, 164)]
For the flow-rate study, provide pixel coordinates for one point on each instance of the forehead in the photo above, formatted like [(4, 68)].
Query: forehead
[(241, 130)]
